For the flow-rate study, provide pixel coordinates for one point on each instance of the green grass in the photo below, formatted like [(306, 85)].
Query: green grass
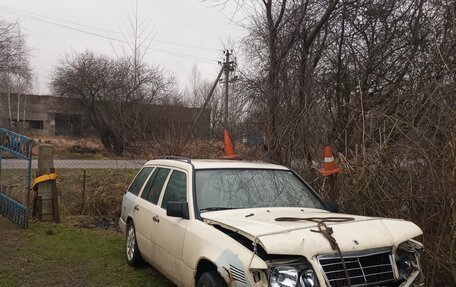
[(47, 254)]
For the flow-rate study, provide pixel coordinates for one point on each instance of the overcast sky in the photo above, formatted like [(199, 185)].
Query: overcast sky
[(185, 32)]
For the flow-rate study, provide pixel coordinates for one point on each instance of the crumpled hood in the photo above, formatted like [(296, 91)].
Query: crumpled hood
[(297, 237)]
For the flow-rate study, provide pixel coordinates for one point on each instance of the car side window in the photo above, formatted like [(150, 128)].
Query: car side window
[(176, 189), (155, 184), (138, 182)]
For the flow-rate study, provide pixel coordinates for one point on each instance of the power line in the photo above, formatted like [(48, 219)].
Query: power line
[(189, 57), (36, 15), (61, 25), (169, 52)]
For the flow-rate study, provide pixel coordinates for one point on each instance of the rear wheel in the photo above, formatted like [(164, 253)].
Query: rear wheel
[(134, 257), (211, 279)]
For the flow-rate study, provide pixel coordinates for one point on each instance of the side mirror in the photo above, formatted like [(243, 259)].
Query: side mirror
[(177, 209), (333, 207)]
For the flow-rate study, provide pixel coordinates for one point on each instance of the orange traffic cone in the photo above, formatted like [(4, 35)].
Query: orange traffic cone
[(329, 165), (229, 150)]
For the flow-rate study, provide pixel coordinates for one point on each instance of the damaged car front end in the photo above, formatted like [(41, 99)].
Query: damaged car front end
[(301, 256)]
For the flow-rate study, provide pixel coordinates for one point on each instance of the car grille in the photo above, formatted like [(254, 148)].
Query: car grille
[(364, 270)]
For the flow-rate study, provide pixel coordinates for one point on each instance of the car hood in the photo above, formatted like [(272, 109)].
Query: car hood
[(299, 237)]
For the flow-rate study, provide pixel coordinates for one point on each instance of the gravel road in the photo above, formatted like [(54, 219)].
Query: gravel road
[(76, 164)]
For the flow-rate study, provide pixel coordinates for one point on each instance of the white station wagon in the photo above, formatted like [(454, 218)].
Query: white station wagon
[(240, 223)]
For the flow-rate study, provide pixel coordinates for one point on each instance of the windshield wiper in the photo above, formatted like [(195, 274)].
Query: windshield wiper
[(215, 208)]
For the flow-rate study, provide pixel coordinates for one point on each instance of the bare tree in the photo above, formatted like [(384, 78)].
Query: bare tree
[(286, 41), (15, 70), (116, 92), (14, 54), (113, 94), (376, 80)]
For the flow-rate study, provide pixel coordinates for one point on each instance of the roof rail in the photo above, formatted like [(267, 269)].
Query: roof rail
[(180, 158)]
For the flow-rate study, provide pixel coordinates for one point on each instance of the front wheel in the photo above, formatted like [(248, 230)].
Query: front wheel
[(134, 257), (211, 279)]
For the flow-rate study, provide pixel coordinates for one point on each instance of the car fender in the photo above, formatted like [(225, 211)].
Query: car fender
[(232, 259), (128, 203)]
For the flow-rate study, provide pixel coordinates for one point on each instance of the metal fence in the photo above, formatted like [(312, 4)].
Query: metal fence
[(93, 187), (85, 187), (15, 183)]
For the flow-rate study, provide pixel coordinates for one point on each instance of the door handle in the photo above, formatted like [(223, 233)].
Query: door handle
[(156, 218), (136, 207)]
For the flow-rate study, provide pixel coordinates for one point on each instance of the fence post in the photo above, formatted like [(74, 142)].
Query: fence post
[(333, 192), (47, 192), (83, 190)]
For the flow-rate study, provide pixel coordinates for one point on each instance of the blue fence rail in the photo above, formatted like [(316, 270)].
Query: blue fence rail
[(14, 211), (16, 146)]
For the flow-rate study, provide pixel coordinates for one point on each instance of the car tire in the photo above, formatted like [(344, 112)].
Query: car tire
[(211, 279), (132, 252)]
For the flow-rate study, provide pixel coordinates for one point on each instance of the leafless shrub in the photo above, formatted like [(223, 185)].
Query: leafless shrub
[(376, 80)]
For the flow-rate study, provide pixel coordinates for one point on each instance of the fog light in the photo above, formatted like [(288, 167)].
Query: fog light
[(307, 278)]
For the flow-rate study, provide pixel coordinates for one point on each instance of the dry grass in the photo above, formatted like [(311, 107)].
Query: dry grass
[(68, 148), (103, 193), (404, 183)]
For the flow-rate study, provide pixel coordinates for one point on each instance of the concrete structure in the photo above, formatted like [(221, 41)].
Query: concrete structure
[(51, 116), (40, 115)]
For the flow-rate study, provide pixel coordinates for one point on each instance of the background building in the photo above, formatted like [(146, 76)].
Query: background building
[(35, 115)]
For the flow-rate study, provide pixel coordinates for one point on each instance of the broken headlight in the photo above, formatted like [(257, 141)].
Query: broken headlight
[(405, 262), (407, 258), (293, 274)]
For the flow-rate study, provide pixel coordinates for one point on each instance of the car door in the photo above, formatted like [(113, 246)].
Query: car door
[(169, 238), (131, 194), (146, 211)]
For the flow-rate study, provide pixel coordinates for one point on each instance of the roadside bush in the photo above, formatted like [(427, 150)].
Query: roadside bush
[(407, 182)]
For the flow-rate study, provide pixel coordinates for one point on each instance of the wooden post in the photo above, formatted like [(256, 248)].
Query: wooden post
[(55, 200), (333, 192), (83, 191), (36, 209), (453, 242), (47, 190)]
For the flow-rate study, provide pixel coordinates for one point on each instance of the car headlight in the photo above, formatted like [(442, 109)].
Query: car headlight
[(283, 276), (407, 258), (406, 262), (301, 275)]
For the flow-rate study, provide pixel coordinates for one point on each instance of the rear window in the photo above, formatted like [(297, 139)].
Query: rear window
[(138, 182), (155, 184)]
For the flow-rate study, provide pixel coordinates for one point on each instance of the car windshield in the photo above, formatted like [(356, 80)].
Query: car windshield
[(218, 189)]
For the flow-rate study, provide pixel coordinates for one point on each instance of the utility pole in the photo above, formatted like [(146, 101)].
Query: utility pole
[(226, 69), (228, 66), (207, 99)]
